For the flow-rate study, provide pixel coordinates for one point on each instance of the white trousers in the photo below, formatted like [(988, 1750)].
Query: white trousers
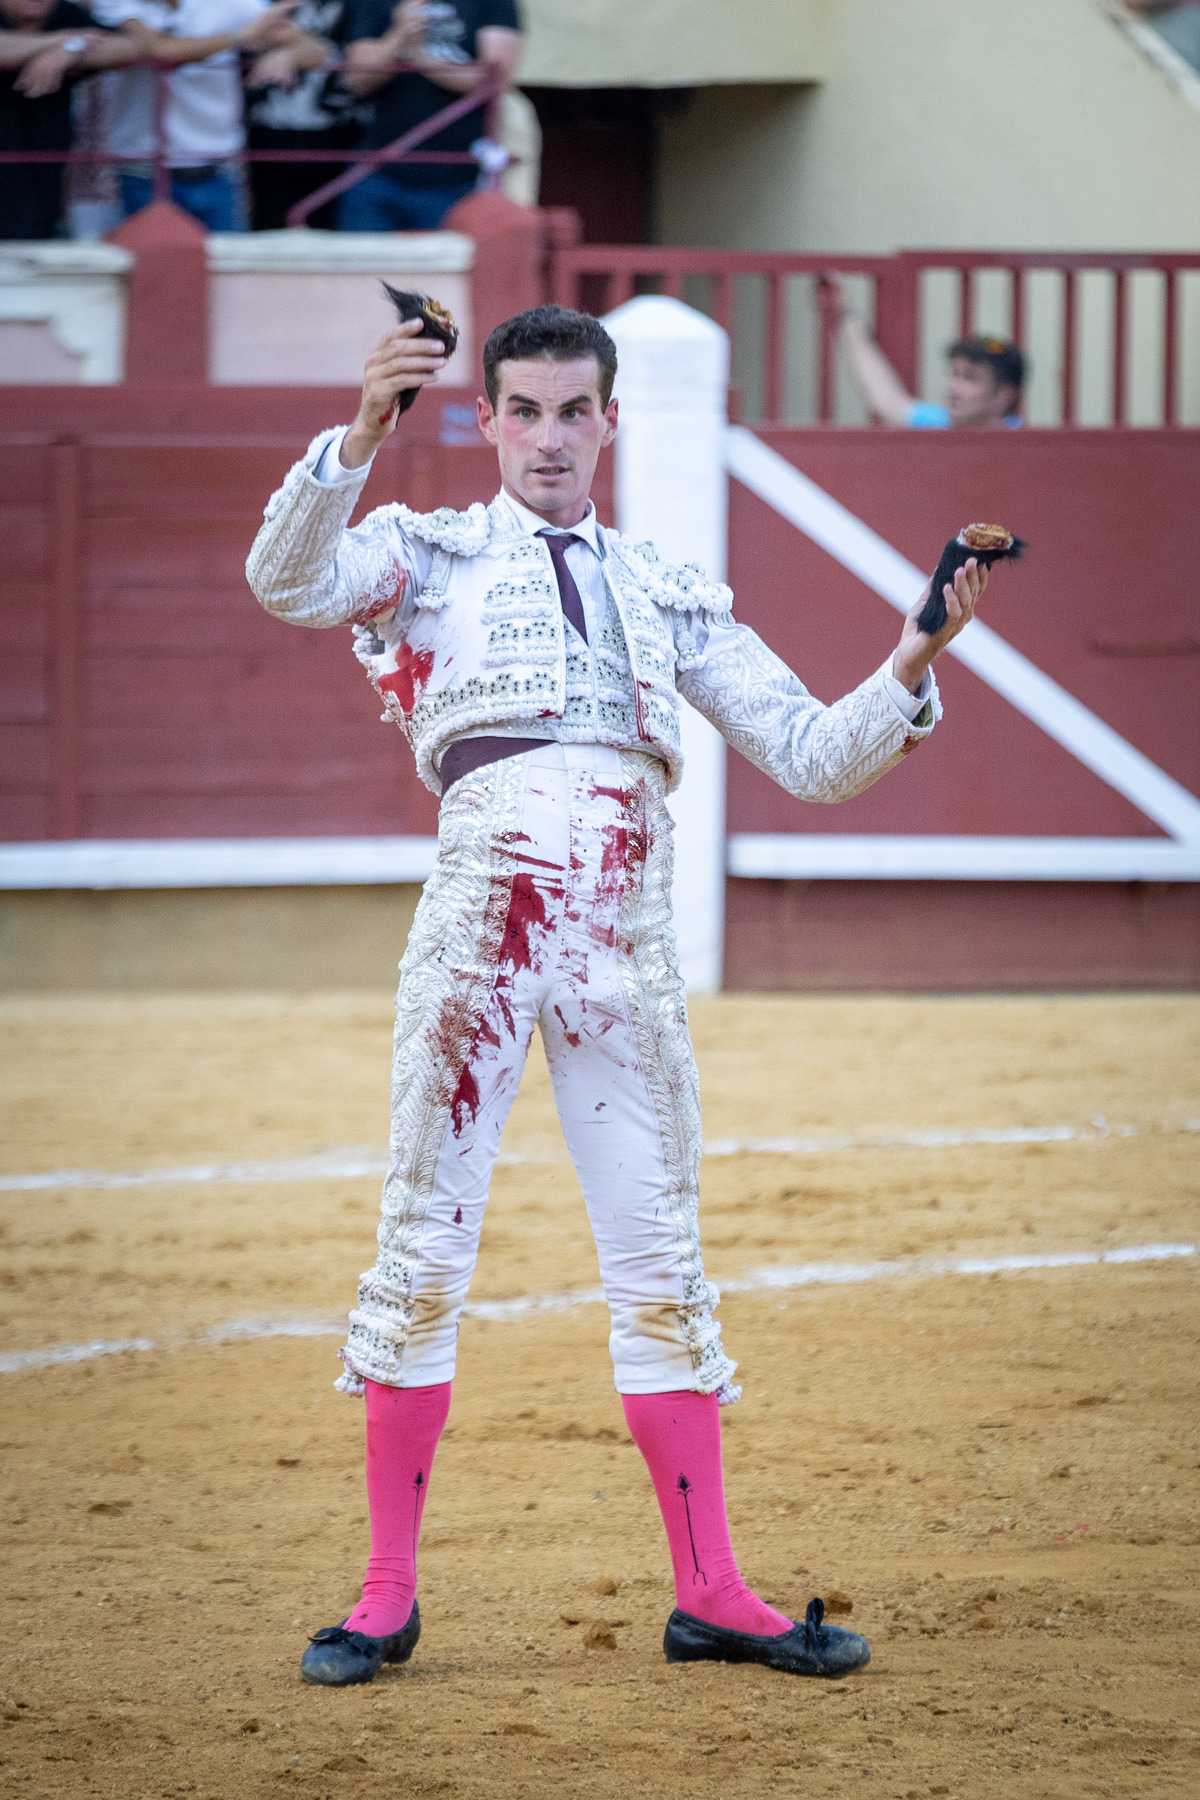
[(550, 905)]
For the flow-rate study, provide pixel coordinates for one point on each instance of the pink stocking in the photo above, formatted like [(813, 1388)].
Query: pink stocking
[(679, 1435), (403, 1428)]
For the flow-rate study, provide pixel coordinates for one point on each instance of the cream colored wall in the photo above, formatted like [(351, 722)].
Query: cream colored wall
[(1030, 123), (210, 939), (673, 43)]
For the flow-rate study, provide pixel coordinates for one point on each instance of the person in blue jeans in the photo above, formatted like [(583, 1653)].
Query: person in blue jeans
[(202, 124), (984, 380), (213, 195), (442, 39), (382, 203)]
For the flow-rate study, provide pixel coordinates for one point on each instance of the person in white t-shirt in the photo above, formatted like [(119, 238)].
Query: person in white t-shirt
[(203, 126), (984, 380)]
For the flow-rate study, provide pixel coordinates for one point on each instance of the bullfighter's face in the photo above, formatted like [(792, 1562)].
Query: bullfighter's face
[(549, 426)]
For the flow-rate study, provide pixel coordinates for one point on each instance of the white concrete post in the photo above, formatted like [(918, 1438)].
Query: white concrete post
[(672, 487)]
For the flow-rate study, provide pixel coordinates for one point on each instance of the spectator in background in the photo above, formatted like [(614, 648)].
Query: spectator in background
[(43, 48), (46, 47), (299, 105), (439, 38), (983, 385), (1176, 20), (203, 125)]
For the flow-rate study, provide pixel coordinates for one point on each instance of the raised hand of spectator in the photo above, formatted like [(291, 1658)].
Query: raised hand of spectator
[(43, 73), (274, 68), (409, 19), (282, 67), (271, 29)]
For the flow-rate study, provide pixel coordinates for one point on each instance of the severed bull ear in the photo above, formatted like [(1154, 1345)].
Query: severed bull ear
[(988, 544), (439, 324)]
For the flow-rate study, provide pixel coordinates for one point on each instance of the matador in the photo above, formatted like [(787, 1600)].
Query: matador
[(536, 662)]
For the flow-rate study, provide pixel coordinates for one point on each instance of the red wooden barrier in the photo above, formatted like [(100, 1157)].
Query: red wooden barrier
[(145, 692), (1106, 603)]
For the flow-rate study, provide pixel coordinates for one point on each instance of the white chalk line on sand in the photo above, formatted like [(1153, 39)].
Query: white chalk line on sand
[(355, 1165), (773, 1279)]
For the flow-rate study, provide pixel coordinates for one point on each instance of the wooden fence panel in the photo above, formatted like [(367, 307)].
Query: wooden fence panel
[(1106, 602), (174, 706)]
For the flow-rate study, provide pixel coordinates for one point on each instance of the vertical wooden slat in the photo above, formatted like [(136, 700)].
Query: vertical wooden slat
[(964, 303), (1170, 403), (672, 284), (826, 350), (1017, 277), (1069, 328), (564, 281), (621, 287), (723, 302), (897, 317), (64, 647), (773, 374), (1120, 342)]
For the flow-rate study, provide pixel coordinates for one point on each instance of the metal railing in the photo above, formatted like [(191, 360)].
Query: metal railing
[(1069, 271), (405, 149), (1088, 359), (715, 281)]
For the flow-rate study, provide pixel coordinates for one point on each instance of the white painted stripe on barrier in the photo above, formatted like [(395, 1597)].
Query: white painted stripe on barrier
[(809, 856), (217, 862), (1026, 687), (356, 1165), (526, 1306)]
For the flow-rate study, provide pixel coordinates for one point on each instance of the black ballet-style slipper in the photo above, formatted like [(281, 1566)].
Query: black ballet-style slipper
[(339, 1658), (808, 1649)]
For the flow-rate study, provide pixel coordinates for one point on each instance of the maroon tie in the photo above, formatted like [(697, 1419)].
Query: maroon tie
[(568, 593)]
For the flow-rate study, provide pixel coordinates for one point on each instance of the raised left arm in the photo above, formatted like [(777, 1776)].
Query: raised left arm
[(818, 752), (815, 752)]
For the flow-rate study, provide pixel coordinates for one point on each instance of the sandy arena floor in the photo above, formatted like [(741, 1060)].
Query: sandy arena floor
[(1000, 1471)]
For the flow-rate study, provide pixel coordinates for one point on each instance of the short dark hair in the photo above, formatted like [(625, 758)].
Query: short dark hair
[(557, 332), (1006, 362)]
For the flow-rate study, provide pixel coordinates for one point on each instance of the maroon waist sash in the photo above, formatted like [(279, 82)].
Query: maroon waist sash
[(465, 755)]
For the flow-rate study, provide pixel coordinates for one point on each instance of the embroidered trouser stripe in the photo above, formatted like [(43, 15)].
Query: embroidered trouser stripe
[(549, 907)]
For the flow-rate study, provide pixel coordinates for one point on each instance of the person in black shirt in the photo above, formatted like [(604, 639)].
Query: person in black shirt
[(297, 104), (46, 46), (440, 38), (33, 116)]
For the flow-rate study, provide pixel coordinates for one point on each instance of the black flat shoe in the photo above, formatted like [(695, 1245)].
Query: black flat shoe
[(339, 1658), (808, 1649)]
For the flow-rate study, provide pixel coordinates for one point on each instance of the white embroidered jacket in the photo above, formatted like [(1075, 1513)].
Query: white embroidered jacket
[(481, 644)]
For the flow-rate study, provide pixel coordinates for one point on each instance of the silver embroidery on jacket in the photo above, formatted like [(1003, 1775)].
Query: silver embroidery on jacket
[(816, 752), (657, 1004), (446, 979)]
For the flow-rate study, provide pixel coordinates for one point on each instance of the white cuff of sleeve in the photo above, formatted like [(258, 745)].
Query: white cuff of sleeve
[(328, 470), (909, 704)]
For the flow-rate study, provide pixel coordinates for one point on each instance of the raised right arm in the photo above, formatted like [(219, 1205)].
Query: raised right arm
[(304, 565)]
